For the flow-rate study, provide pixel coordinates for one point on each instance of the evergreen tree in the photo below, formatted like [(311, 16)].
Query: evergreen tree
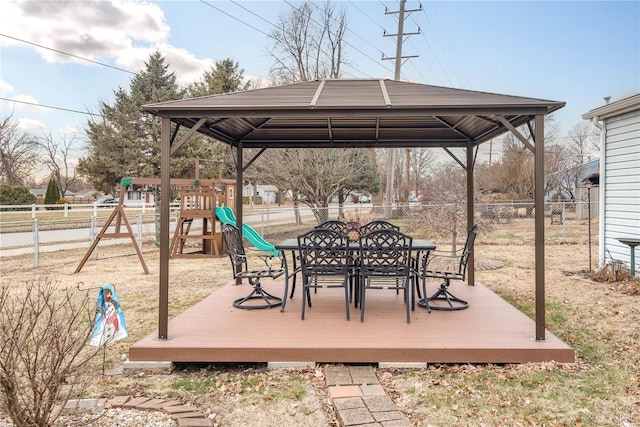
[(126, 141), (52, 195), (226, 76)]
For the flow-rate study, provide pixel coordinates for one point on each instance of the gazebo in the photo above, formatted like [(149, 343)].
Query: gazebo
[(356, 113)]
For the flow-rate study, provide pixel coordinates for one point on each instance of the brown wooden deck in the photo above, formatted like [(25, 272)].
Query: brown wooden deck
[(489, 331)]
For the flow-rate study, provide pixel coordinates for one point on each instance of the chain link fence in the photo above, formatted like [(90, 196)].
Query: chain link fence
[(445, 225)]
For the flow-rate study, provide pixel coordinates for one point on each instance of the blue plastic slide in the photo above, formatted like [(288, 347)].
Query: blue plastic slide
[(226, 216)]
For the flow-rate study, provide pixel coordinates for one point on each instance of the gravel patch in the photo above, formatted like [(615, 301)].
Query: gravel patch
[(117, 417)]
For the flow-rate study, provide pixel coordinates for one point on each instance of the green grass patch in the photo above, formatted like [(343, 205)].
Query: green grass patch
[(196, 385)]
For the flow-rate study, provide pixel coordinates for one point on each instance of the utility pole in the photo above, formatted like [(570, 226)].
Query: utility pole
[(398, 58)]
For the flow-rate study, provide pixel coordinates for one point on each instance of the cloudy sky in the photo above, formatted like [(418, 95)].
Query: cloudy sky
[(71, 55)]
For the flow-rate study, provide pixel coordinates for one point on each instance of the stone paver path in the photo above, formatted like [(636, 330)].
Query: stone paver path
[(360, 400)]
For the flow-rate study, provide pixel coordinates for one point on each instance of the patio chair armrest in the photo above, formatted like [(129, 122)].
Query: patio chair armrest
[(265, 256), (442, 260)]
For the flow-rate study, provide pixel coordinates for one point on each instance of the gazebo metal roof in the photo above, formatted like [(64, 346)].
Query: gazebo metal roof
[(355, 113)]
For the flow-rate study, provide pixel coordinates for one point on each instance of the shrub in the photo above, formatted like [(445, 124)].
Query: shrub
[(43, 349), (15, 196)]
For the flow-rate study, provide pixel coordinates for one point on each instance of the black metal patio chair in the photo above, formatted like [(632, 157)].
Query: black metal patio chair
[(385, 263), (446, 266), (325, 262), (259, 298), (378, 225)]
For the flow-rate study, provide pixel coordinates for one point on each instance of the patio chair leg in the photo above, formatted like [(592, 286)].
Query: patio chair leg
[(443, 294), (258, 293), (423, 302)]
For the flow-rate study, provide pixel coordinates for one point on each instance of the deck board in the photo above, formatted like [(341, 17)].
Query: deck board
[(489, 331)]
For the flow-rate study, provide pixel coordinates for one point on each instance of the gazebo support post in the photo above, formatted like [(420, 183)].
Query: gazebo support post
[(539, 227), (238, 196), (470, 211), (165, 200)]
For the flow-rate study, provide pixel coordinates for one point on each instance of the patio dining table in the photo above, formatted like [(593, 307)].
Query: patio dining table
[(291, 245)]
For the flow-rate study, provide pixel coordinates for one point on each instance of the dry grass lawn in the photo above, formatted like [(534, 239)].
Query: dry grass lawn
[(599, 319)]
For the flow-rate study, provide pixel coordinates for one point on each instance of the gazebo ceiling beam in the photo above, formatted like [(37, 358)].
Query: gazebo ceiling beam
[(253, 128), (517, 133), (188, 135), (210, 132), (454, 157), (414, 143), (452, 127)]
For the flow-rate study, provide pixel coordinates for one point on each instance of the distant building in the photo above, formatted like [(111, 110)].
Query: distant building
[(139, 195), (564, 184), (261, 194)]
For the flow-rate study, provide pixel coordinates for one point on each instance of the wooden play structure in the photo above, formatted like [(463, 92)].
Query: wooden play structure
[(198, 199), (197, 202)]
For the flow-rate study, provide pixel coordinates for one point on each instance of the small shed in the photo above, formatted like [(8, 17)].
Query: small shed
[(619, 123)]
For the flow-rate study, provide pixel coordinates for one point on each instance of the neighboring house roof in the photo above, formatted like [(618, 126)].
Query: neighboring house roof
[(613, 109)]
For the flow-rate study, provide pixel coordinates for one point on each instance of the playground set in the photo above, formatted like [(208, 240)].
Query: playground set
[(199, 200)]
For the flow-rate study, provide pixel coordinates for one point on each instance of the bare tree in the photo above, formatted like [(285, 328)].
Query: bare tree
[(421, 162), (58, 161), (583, 142), (19, 153), (43, 350), (314, 176), (446, 192), (564, 162), (305, 48)]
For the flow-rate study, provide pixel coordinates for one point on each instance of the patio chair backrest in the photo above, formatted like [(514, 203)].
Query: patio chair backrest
[(385, 252), (466, 251), (377, 225), (334, 225), (233, 241), (324, 252)]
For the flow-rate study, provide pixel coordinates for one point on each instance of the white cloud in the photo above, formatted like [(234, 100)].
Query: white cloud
[(122, 32), (69, 130), (29, 125), (89, 29), (5, 88)]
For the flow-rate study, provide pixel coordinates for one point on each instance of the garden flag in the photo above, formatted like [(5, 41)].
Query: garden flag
[(110, 325)]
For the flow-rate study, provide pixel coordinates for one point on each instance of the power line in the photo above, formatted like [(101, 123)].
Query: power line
[(456, 58), (76, 56), (68, 54), (447, 50), (254, 14), (233, 17), (434, 56), (88, 113)]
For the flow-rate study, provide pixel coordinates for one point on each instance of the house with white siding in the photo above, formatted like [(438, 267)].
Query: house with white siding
[(619, 123)]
